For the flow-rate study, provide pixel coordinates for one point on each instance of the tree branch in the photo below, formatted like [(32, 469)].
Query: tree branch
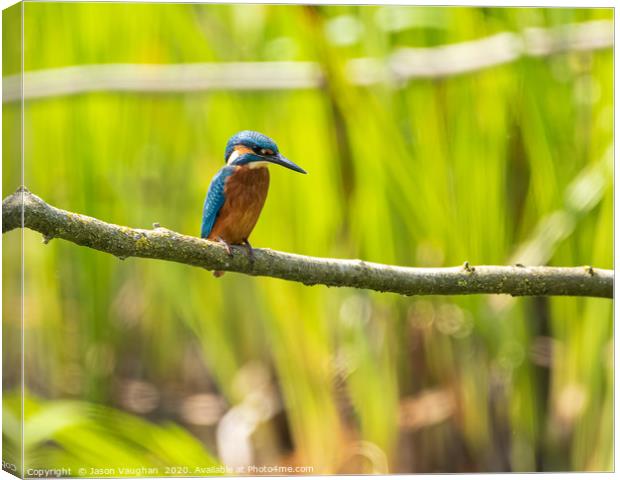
[(163, 244), (403, 64)]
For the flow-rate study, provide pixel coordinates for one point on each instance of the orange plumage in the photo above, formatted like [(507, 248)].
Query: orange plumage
[(238, 191), (245, 191)]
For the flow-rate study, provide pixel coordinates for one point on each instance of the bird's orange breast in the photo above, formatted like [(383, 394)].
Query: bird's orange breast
[(245, 192)]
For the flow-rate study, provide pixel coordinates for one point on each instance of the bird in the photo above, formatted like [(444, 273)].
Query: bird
[(238, 190)]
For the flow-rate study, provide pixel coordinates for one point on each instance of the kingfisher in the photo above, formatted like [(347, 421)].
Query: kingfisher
[(238, 191)]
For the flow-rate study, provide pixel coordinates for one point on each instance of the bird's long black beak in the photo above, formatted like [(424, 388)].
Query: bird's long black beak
[(285, 162)]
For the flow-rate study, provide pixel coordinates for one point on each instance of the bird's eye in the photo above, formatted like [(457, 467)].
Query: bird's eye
[(266, 151)]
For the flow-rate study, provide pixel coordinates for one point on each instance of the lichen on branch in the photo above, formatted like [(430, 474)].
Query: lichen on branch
[(24, 209)]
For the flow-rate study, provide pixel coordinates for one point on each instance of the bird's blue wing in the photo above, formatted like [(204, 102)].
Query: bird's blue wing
[(214, 201)]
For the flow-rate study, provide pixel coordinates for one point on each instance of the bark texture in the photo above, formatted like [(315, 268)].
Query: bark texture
[(24, 209)]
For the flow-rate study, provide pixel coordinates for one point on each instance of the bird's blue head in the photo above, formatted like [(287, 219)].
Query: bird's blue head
[(255, 150)]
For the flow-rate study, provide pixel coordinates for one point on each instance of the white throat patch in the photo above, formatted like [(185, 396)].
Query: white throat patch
[(258, 164), (233, 156)]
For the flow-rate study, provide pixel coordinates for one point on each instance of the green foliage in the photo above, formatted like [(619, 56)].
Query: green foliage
[(431, 173), (93, 440)]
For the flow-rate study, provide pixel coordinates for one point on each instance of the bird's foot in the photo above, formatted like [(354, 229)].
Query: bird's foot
[(226, 246), (249, 249)]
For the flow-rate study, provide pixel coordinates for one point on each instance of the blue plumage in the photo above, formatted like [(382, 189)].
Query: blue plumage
[(214, 200), (251, 139), (246, 180)]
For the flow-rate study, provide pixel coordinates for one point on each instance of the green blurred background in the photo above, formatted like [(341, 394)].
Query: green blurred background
[(138, 363)]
